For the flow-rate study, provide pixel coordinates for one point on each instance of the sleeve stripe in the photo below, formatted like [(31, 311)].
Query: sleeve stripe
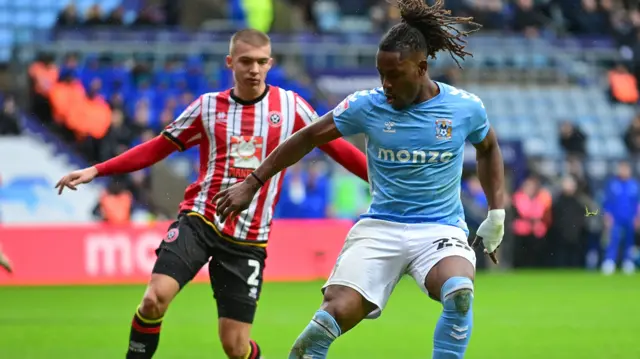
[(173, 140), (181, 122), (307, 112)]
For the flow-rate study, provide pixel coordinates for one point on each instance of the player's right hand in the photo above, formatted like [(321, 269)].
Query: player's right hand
[(75, 178), (235, 199), (491, 232)]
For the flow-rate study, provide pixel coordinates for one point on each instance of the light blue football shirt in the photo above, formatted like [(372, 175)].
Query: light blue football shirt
[(415, 155)]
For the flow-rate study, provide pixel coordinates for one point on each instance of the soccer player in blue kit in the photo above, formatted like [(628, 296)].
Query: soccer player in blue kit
[(415, 132)]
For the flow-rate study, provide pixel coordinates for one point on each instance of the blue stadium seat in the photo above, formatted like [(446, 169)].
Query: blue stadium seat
[(46, 4), (62, 4), (5, 19), (589, 128), (616, 149), (534, 146), (24, 35), (109, 5), (597, 169), (5, 54), (6, 37), (23, 4), (595, 148), (23, 19), (46, 19)]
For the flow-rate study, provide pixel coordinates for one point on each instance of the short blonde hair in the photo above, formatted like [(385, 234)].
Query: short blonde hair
[(251, 37)]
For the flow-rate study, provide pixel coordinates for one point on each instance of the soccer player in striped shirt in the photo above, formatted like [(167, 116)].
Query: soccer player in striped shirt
[(235, 129)]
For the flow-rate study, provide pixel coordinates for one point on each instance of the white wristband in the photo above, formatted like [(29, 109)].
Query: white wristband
[(496, 215)]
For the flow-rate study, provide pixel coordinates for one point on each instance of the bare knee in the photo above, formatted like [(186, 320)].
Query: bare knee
[(234, 337), (158, 296), (346, 306), (453, 266)]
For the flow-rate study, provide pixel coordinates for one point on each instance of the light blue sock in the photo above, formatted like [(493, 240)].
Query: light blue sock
[(453, 330), (316, 338)]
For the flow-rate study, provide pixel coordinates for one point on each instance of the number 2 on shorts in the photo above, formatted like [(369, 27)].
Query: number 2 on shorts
[(253, 278)]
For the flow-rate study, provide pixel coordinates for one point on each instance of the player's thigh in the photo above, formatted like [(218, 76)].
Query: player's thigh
[(437, 253), (370, 263), (236, 273), (181, 254)]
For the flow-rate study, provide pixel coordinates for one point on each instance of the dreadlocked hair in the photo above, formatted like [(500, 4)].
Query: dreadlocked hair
[(430, 29)]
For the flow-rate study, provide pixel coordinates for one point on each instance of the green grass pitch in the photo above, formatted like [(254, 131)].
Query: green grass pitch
[(524, 315)]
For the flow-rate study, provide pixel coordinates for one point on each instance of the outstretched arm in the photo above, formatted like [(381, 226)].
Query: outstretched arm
[(183, 133), (138, 157)]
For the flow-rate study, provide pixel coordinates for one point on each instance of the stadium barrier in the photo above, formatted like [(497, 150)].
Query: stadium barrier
[(299, 250)]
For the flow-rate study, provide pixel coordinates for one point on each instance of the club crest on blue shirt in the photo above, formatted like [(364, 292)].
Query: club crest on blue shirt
[(443, 129)]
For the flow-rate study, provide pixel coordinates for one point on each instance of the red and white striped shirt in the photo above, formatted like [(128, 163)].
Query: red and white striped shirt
[(234, 138)]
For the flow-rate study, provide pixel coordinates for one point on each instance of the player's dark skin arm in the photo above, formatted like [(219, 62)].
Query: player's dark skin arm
[(491, 176), (491, 170), (238, 197)]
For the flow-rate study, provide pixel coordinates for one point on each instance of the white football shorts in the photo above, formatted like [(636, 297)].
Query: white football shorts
[(377, 253)]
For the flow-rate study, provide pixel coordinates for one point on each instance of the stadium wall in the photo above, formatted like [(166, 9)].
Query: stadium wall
[(94, 254)]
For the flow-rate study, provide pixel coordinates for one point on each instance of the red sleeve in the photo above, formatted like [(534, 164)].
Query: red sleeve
[(348, 156), (137, 158), (186, 130), (340, 150)]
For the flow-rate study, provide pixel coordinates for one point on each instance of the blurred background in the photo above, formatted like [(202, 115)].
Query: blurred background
[(82, 81)]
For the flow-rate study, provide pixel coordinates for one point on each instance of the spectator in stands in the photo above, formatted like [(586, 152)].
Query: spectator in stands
[(532, 204), (149, 16), (572, 139), (43, 74), (621, 201), (318, 189), (623, 85), (141, 118), (68, 17), (90, 122), (119, 137), (139, 184), (70, 63), (450, 76), (64, 97), (632, 136), (490, 13), (292, 193), (94, 16), (116, 17), (116, 203), (9, 120), (527, 18), (305, 194), (590, 19), (636, 53), (574, 167), (567, 247)]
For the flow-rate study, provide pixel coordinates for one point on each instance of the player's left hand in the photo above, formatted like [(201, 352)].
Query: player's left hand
[(235, 199), (490, 233)]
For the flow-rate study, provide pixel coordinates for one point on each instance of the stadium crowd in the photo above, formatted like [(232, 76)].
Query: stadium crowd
[(130, 100)]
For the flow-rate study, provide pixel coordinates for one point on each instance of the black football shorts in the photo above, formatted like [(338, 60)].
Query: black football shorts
[(235, 270)]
